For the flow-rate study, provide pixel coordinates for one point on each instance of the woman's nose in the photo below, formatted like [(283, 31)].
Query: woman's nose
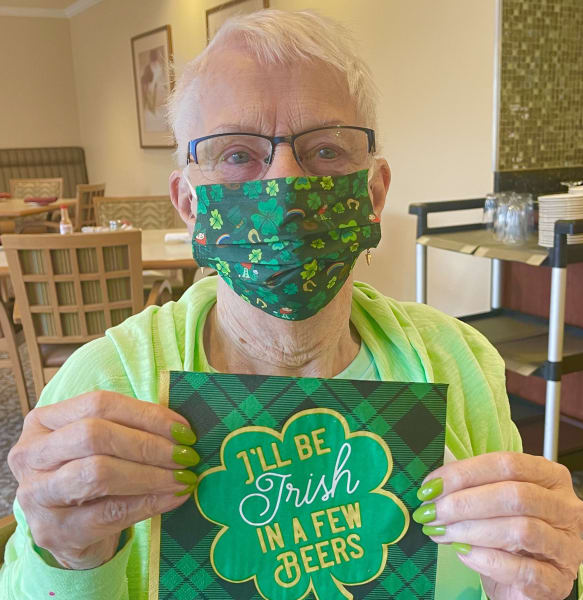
[(283, 163)]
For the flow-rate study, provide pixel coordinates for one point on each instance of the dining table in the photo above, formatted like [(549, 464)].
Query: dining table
[(12, 208), (156, 253)]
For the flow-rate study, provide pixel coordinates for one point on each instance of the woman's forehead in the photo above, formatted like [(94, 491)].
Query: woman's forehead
[(237, 93)]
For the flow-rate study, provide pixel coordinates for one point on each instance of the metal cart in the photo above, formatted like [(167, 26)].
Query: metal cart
[(529, 345)]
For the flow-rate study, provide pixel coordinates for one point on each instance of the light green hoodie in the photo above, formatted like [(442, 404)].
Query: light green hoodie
[(408, 342)]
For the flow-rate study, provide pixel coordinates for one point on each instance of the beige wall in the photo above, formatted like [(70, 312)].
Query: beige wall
[(433, 62), (38, 104)]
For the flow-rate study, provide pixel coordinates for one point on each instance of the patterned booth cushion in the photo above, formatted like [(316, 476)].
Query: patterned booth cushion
[(24, 163)]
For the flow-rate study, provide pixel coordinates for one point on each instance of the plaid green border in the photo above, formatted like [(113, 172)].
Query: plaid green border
[(409, 417)]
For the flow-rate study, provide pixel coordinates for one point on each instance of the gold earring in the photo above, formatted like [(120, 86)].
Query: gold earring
[(368, 256)]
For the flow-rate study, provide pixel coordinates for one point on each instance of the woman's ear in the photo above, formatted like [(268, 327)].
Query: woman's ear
[(182, 199), (378, 185)]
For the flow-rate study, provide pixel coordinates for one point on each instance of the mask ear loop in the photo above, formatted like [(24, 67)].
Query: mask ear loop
[(371, 172), (195, 197), (192, 189)]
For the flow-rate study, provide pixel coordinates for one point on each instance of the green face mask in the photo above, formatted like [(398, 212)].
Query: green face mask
[(285, 245)]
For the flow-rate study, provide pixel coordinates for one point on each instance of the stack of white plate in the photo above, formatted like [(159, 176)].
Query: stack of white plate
[(555, 207)]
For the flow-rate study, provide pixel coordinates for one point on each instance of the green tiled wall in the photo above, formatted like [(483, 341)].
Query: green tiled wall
[(541, 84)]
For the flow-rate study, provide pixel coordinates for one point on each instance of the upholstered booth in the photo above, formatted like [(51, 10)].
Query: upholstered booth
[(65, 162)]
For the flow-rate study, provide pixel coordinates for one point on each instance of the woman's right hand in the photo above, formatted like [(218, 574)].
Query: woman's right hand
[(91, 466)]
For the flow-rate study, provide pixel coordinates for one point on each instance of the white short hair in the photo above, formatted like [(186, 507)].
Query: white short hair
[(281, 37)]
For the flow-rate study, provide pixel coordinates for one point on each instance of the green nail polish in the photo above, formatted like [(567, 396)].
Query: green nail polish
[(433, 530), (430, 490), (183, 434), (188, 490), (183, 455), (461, 548), (425, 513), (187, 477)]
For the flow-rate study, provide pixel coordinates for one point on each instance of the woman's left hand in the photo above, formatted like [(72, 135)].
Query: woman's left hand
[(519, 513)]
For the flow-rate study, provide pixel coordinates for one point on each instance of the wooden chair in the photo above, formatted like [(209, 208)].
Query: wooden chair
[(9, 347), (85, 210), (7, 528), (144, 212), (36, 188), (70, 288)]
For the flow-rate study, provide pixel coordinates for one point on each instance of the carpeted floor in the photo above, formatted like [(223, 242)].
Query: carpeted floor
[(11, 426)]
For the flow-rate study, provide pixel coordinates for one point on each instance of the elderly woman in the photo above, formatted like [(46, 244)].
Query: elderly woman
[(278, 104)]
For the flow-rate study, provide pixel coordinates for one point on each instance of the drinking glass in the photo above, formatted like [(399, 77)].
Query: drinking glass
[(500, 216), (490, 205)]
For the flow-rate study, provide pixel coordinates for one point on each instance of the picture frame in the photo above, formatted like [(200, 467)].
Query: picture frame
[(217, 15), (153, 81)]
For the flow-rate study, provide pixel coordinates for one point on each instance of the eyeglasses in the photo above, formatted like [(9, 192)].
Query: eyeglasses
[(238, 157)]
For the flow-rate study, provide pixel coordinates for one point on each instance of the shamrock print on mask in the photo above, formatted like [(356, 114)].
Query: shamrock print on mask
[(302, 236)]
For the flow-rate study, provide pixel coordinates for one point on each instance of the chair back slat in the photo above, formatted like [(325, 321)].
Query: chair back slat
[(71, 288)]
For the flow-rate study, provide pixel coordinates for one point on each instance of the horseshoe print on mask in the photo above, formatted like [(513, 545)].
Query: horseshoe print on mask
[(254, 234)]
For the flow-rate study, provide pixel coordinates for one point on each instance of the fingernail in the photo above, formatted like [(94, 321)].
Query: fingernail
[(432, 530), (188, 490), (430, 490), (183, 476), (183, 434), (183, 455), (461, 548), (425, 513)]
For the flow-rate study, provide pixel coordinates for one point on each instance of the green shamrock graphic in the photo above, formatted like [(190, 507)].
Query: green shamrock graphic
[(270, 217), (318, 243), (272, 188), (303, 510), (267, 295), (221, 267), (360, 184), (349, 236), (302, 183), (338, 208), (217, 192), (314, 200), (342, 188), (310, 270), (290, 289), (327, 183), (202, 200), (252, 189), (216, 220), (255, 255), (276, 243)]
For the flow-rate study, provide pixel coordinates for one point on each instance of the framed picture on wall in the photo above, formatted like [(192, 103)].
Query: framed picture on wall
[(152, 60), (216, 16)]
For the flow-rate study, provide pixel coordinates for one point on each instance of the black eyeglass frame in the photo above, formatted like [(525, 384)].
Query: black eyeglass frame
[(290, 139)]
